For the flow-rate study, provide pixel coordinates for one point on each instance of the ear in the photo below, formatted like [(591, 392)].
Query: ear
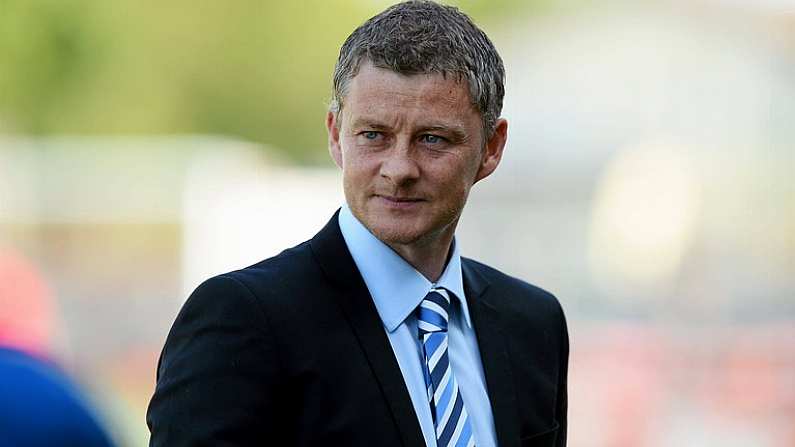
[(334, 148), (492, 153)]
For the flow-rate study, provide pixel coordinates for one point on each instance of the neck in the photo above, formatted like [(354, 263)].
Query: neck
[(428, 257)]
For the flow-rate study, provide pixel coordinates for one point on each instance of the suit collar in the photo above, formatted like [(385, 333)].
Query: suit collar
[(489, 321), (350, 291), (332, 254), (474, 281)]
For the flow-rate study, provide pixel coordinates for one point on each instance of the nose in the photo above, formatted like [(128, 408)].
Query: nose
[(398, 165)]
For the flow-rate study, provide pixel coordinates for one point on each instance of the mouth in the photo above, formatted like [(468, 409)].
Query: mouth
[(399, 202), (395, 199)]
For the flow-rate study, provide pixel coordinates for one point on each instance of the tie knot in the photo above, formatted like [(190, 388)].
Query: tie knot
[(432, 315)]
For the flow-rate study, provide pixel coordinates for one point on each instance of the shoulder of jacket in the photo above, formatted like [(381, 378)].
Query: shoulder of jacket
[(512, 289), (288, 270)]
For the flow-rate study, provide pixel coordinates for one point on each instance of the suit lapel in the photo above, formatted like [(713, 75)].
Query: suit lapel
[(332, 254), (494, 355)]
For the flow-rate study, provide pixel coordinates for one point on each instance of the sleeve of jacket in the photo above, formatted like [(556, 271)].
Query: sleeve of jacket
[(562, 398), (218, 379)]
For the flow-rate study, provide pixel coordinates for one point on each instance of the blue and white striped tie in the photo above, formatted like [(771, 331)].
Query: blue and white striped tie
[(447, 405)]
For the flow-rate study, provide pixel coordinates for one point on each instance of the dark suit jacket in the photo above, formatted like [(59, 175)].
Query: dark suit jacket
[(291, 351)]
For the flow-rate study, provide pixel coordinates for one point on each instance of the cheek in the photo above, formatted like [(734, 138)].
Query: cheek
[(357, 172), (475, 163), (462, 178), (453, 192)]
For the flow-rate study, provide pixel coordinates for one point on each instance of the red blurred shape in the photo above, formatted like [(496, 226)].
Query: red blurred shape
[(27, 308)]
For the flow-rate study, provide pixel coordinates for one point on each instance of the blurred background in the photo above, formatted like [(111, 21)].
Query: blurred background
[(647, 182)]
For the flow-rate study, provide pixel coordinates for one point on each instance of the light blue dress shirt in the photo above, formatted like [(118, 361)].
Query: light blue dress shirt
[(397, 289)]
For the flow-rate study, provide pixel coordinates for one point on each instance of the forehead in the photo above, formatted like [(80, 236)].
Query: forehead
[(376, 90)]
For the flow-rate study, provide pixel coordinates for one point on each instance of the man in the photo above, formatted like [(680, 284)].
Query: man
[(376, 332)]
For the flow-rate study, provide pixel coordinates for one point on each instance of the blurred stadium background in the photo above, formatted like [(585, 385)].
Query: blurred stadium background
[(648, 182)]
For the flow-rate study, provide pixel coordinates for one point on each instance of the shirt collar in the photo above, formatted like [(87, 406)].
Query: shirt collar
[(396, 287)]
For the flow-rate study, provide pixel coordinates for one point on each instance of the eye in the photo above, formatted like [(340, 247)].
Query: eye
[(431, 139), (371, 139)]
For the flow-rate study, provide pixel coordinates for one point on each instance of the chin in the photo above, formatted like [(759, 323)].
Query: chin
[(395, 234)]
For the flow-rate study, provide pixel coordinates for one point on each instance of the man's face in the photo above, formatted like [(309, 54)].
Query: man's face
[(410, 148)]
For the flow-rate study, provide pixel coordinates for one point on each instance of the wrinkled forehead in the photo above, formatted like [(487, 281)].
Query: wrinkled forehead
[(382, 85), (453, 80)]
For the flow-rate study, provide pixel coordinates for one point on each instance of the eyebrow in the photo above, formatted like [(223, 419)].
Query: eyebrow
[(359, 123)]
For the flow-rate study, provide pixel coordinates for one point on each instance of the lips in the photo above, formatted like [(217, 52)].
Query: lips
[(398, 203), (400, 199)]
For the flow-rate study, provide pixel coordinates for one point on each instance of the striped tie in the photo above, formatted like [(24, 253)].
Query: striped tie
[(447, 405)]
